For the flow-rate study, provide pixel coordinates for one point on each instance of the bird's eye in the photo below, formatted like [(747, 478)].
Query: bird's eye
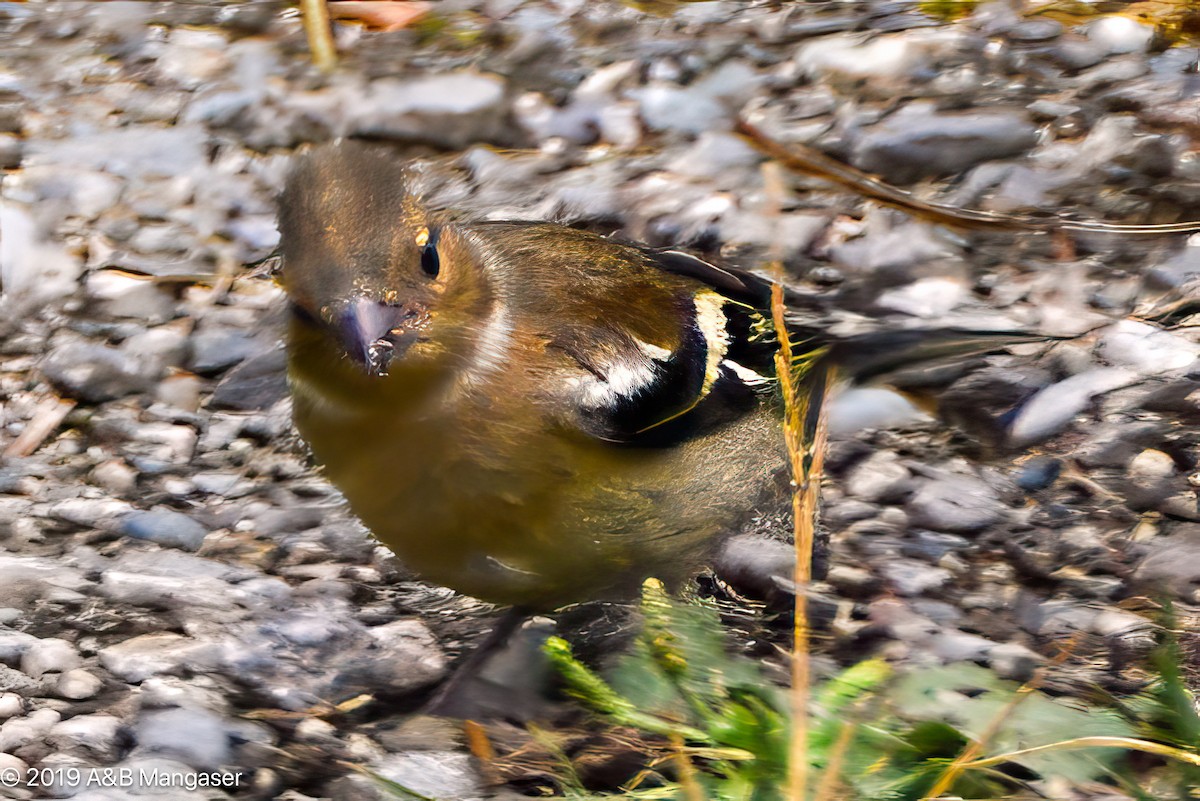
[(427, 241), (431, 264)]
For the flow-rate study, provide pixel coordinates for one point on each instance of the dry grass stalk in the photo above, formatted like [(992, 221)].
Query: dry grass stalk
[(970, 755), (319, 33), (46, 419), (805, 446), (808, 161)]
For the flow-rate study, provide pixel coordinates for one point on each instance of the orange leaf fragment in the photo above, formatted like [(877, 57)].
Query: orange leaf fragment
[(384, 15)]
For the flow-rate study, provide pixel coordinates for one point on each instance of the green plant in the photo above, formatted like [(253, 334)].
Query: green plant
[(871, 734)]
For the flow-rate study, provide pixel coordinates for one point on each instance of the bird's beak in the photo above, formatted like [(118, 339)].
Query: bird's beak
[(374, 333)]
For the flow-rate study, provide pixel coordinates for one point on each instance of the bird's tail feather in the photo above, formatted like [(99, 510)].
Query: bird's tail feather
[(864, 357)]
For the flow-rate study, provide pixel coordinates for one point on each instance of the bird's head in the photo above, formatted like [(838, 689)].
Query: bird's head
[(369, 270)]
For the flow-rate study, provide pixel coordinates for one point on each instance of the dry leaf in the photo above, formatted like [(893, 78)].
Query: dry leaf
[(384, 15)]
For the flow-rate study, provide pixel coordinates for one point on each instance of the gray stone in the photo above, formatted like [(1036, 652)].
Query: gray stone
[(1051, 409), (50, 655), (165, 527), (955, 503), (1173, 563), (918, 142), (451, 110), (753, 564), (1119, 34), (1146, 349), (215, 350), (87, 735), (133, 151), (11, 705), (139, 658), (16, 732), (14, 644), (909, 578), (444, 774), (14, 681), (77, 685), (196, 737), (95, 373), (256, 384), (1014, 662), (881, 478)]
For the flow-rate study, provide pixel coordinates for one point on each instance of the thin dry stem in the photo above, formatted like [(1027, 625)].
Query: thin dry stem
[(794, 407), (690, 785), (831, 777), (1128, 743), (809, 161), (319, 33), (46, 419), (971, 752)]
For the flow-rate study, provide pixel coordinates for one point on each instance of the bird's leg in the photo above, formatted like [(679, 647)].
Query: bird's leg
[(468, 667)]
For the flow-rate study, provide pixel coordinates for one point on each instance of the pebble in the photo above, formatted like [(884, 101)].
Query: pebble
[(166, 527), (1014, 661), (14, 681), (138, 658), (1173, 564), (918, 142), (911, 578), (115, 476), (859, 409), (881, 478), (1051, 409), (1118, 34), (753, 564), (77, 685), (91, 735), (701, 106), (1146, 349), (954, 503), (50, 655), (95, 373), (14, 644), (19, 731), (196, 737), (446, 774), (255, 384), (450, 110), (11, 705), (1038, 473), (858, 56), (215, 350)]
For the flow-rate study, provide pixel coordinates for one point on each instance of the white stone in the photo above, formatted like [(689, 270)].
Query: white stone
[(16, 732), (195, 736), (1146, 349), (50, 655), (139, 658), (859, 409), (77, 685), (1118, 34), (97, 733), (32, 266), (1053, 407), (11, 705)]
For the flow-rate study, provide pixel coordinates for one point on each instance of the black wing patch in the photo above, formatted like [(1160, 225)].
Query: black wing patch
[(737, 285), (638, 397)]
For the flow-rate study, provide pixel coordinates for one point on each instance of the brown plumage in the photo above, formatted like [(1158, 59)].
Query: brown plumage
[(528, 413)]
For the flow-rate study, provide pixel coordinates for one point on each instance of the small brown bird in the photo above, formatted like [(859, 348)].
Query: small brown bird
[(532, 414)]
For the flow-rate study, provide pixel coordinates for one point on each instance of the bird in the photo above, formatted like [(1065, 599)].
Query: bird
[(533, 414)]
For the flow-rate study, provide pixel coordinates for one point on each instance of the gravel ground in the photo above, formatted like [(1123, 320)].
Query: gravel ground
[(181, 592)]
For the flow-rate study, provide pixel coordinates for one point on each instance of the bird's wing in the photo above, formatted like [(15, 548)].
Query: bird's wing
[(720, 364)]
